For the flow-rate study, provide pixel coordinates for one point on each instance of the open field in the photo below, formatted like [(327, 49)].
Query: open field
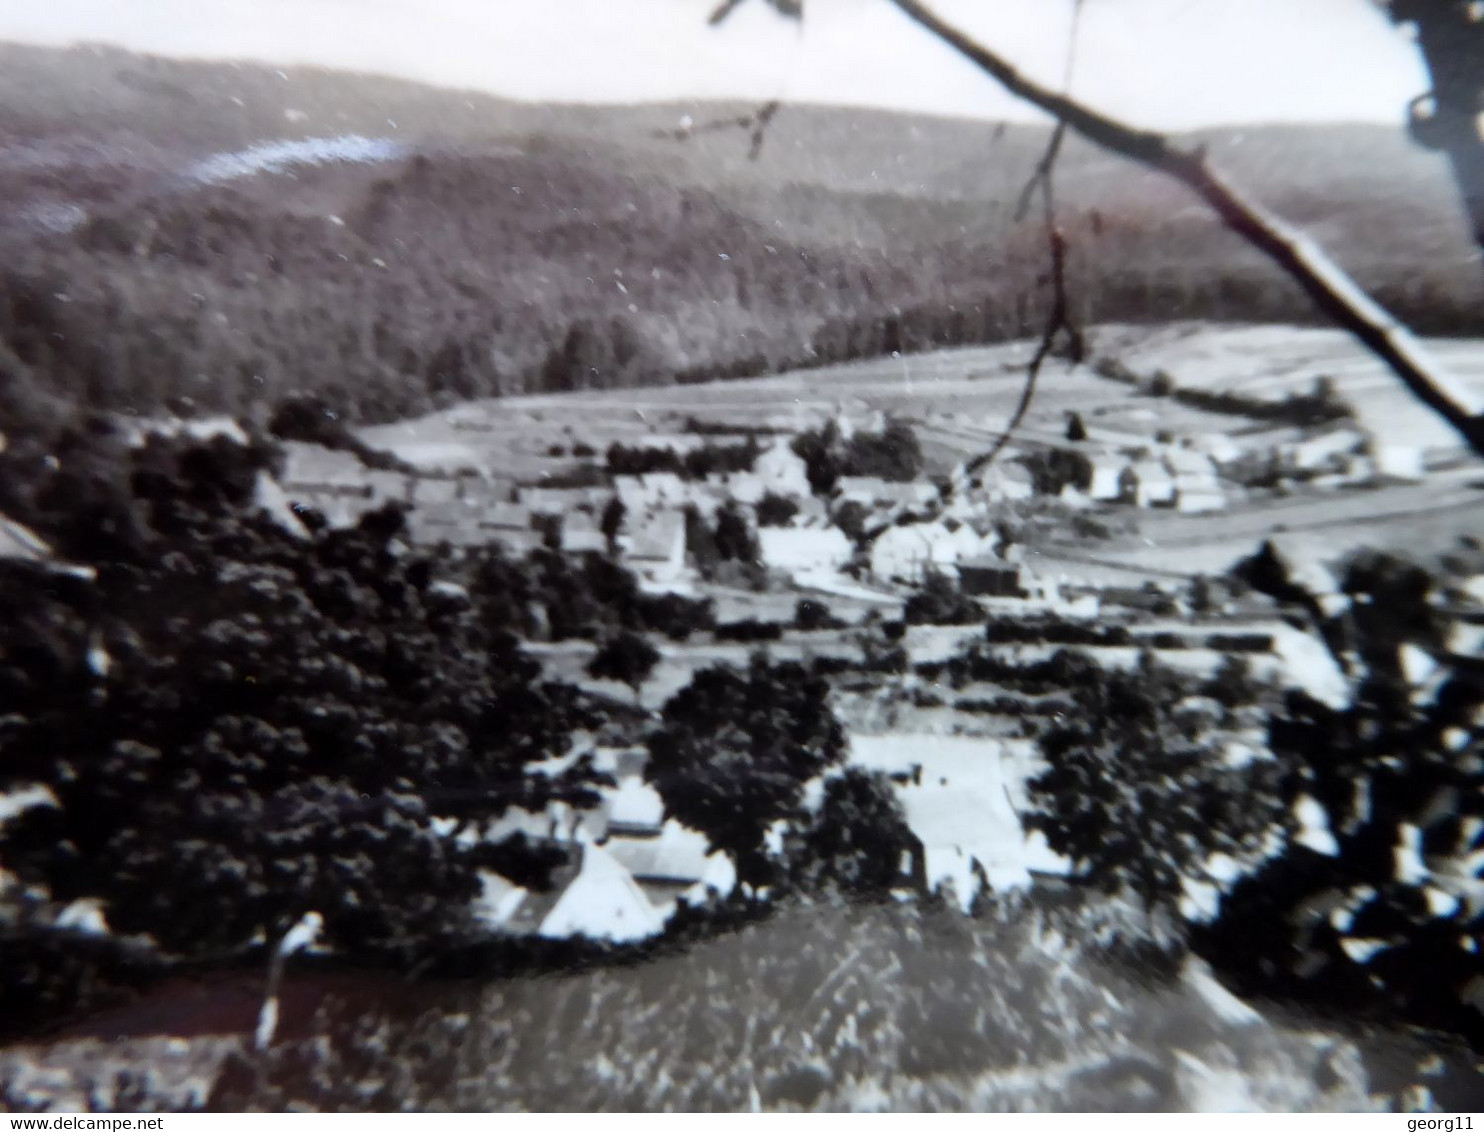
[(1274, 361), (970, 393), (818, 1007), (958, 398)]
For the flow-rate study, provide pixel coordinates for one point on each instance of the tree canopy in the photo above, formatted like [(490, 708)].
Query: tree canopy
[(1136, 794), (626, 657), (857, 839), (734, 749), (1391, 911), (239, 724)]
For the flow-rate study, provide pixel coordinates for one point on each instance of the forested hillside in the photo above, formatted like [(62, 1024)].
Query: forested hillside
[(232, 234)]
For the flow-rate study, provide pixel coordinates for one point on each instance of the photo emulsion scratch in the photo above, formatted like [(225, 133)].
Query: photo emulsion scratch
[(742, 556)]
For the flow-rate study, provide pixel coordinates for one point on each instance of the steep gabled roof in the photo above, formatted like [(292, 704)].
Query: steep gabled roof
[(602, 902)]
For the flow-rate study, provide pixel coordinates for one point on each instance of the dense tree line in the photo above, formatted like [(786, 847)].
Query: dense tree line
[(555, 596), (1056, 630), (892, 454), (700, 462), (1321, 405), (940, 600), (239, 724)]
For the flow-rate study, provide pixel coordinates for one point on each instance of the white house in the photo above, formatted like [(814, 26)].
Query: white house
[(1400, 462), (603, 901), (781, 470), (1199, 500), (657, 547), (1147, 484), (906, 553), (1107, 473), (803, 550), (674, 863), (580, 534), (634, 808), (1007, 481), (871, 491), (902, 553), (1325, 452), (1197, 486)]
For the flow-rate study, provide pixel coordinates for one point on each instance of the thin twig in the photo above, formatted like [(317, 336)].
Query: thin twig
[(1058, 318), (789, 9), (1042, 174), (756, 124), (723, 10), (1056, 322), (1300, 258), (761, 120)]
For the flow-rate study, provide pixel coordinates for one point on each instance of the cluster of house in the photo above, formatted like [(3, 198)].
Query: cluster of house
[(1343, 454), (1189, 476), (909, 529), (910, 532), (628, 867), (1185, 477)]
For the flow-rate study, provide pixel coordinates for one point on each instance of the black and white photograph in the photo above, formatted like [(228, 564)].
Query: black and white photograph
[(747, 556)]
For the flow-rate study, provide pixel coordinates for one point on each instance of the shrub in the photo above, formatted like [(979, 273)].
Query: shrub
[(811, 615), (749, 631), (858, 837)]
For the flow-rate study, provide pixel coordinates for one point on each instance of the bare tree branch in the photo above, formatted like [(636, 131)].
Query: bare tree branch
[(789, 9), (1058, 318), (1056, 321), (723, 10), (756, 124), (1334, 292), (1042, 175), (760, 122)]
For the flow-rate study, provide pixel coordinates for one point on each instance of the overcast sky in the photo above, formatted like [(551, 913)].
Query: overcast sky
[(1163, 63)]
